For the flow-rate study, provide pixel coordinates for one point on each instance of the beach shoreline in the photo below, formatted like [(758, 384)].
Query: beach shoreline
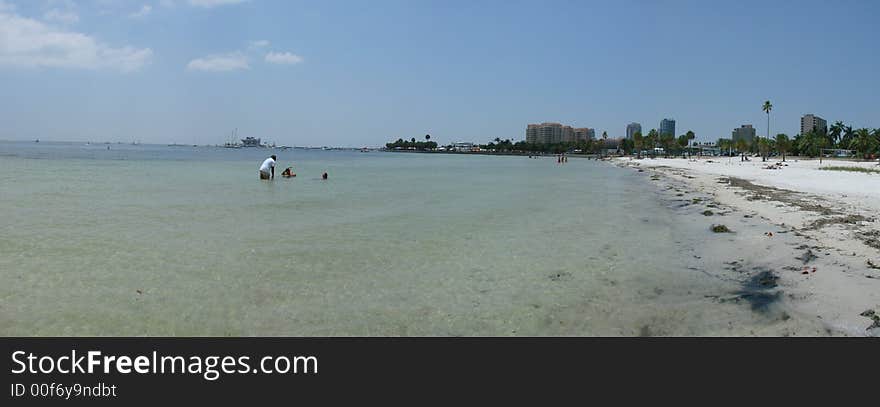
[(810, 237)]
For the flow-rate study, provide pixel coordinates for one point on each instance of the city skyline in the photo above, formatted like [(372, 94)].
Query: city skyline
[(355, 74)]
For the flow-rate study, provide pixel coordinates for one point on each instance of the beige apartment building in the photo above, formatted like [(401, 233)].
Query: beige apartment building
[(551, 132)]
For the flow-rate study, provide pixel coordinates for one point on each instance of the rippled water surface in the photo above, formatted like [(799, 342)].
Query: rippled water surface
[(159, 240)]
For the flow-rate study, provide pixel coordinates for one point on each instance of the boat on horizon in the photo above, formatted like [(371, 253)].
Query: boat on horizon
[(251, 142), (231, 142)]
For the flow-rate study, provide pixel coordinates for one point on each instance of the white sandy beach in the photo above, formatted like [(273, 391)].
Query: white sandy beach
[(817, 230)]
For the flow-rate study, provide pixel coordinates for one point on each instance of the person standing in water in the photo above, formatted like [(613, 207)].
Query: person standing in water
[(267, 169)]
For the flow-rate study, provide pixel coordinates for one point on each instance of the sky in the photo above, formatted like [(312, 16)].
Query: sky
[(362, 73)]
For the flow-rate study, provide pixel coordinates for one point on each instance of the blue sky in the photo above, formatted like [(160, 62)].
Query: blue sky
[(365, 72)]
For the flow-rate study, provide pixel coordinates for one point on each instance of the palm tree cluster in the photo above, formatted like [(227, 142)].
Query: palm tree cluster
[(865, 142), (412, 144)]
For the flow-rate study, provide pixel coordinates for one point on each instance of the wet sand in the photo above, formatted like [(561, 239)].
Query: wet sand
[(812, 252)]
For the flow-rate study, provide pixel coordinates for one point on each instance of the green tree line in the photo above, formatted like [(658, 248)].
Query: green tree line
[(865, 142)]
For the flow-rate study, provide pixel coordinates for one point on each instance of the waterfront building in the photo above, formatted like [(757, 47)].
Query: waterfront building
[(584, 134), (745, 132), (551, 132), (810, 122), (667, 126), (632, 129)]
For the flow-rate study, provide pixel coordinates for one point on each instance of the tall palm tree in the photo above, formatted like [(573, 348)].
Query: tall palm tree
[(604, 142), (427, 137), (767, 108)]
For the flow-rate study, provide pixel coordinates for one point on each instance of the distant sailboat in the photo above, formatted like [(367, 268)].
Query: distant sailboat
[(231, 142)]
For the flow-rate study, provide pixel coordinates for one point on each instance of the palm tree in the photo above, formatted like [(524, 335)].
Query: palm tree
[(413, 140), (638, 143), (877, 139), (724, 145), (667, 140), (863, 142), (741, 146), (767, 108), (812, 144), (782, 144), (690, 136), (427, 137), (764, 146), (651, 140), (835, 133), (847, 137), (682, 142)]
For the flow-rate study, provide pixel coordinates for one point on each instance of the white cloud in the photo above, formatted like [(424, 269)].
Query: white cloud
[(61, 16), (29, 43), (143, 12), (283, 58), (213, 3), (219, 63)]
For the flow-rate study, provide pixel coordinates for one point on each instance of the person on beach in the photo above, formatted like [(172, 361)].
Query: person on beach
[(267, 169), (288, 172)]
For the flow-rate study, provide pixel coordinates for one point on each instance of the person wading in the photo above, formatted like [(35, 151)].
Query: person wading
[(267, 169)]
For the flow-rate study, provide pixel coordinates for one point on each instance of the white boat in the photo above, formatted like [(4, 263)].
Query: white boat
[(231, 142)]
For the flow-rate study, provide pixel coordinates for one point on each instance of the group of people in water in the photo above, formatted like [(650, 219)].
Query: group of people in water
[(267, 169), (560, 158)]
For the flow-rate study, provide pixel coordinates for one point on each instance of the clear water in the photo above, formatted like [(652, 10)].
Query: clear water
[(158, 240)]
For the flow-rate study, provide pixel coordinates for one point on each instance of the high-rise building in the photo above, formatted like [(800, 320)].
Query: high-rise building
[(667, 126), (549, 133), (584, 134), (632, 129), (745, 132), (810, 122), (532, 133)]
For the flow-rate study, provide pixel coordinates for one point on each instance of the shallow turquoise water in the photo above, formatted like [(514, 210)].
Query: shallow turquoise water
[(156, 240)]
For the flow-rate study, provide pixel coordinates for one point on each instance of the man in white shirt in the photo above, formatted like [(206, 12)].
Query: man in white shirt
[(267, 170)]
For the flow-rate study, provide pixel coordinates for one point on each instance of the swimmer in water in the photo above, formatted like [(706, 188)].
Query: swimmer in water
[(288, 173), (324, 176)]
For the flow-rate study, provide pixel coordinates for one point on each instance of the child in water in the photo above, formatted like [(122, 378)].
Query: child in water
[(288, 173)]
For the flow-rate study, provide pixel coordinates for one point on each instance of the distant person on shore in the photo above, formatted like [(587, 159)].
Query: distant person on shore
[(288, 173), (267, 169)]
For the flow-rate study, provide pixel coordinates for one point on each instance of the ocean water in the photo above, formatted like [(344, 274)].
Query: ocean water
[(159, 240)]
